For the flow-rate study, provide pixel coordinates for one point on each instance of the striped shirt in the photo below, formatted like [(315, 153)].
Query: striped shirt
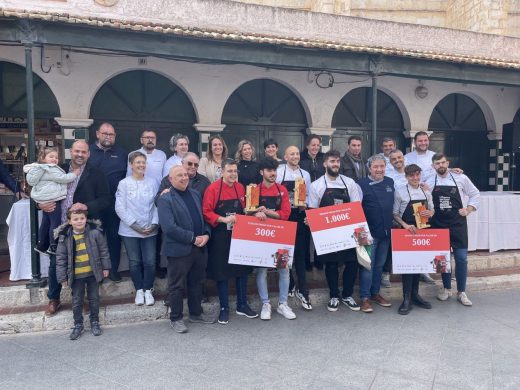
[(82, 268)]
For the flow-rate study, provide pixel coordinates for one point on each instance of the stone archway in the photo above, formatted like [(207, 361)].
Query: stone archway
[(460, 131), (353, 117), (260, 109), (139, 99)]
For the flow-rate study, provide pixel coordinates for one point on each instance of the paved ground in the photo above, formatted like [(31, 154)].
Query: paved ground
[(449, 347)]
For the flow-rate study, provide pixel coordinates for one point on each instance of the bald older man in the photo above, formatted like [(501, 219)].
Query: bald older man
[(185, 237), (90, 190)]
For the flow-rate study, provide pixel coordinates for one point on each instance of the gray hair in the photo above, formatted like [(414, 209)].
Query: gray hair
[(175, 138), (190, 154), (376, 157)]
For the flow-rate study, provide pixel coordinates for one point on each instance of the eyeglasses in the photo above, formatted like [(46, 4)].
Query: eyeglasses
[(148, 138), (192, 164), (108, 135)]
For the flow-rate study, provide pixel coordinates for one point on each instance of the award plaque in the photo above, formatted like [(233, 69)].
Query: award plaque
[(252, 197), (300, 192), (420, 222)]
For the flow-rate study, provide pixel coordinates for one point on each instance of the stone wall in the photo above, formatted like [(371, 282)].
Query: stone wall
[(500, 17)]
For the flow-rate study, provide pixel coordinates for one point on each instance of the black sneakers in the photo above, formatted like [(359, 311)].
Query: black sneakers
[(223, 317), (246, 311), (76, 331), (304, 299), (95, 329), (333, 304)]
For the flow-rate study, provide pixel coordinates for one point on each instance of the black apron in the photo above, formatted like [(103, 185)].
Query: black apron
[(271, 202), (408, 215), (218, 246), (332, 197), (297, 215), (447, 202)]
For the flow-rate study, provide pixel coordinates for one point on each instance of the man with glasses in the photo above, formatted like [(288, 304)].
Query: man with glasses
[(111, 159), (155, 158), (197, 181)]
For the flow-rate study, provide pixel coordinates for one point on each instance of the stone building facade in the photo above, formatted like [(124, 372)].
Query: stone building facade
[(251, 71), (500, 17)]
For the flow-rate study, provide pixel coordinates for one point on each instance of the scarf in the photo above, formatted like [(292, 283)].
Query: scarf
[(359, 165)]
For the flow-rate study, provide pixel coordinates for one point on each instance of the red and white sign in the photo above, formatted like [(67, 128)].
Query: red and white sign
[(426, 251), (262, 243), (339, 227)]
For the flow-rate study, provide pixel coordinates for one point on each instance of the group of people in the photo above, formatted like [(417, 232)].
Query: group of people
[(184, 209)]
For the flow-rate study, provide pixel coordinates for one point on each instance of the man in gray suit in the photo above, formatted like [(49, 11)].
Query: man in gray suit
[(184, 244)]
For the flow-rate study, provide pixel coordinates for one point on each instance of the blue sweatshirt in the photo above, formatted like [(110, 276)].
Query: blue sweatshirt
[(378, 202)]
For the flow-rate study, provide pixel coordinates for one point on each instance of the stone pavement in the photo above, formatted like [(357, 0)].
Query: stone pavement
[(448, 347)]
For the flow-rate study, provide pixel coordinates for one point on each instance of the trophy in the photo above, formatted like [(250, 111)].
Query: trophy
[(252, 197), (420, 222), (300, 192)]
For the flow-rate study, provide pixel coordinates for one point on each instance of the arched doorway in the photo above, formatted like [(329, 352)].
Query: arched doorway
[(262, 109), (460, 131), (13, 126), (511, 156), (353, 116), (138, 100)]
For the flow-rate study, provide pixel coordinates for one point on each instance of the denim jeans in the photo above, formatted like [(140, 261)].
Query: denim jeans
[(283, 284), (141, 260), (223, 292), (50, 221), (54, 287), (78, 294), (370, 281), (461, 270)]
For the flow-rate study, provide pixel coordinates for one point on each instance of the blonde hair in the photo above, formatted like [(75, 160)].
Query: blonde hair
[(44, 151), (241, 144)]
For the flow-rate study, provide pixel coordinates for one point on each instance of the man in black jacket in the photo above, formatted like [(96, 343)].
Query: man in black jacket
[(352, 163), (185, 237), (198, 182), (90, 190)]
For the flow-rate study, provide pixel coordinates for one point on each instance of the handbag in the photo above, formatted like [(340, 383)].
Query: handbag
[(363, 256)]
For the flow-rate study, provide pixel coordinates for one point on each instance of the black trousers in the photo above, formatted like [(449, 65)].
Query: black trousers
[(349, 277), (410, 284), (299, 257), (190, 271), (111, 227), (78, 294)]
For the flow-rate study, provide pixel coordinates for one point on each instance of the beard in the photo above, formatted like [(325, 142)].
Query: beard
[(332, 173), (442, 170)]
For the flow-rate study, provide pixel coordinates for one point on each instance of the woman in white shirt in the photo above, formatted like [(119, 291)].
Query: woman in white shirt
[(139, 225), (179, 145), (210, 166)]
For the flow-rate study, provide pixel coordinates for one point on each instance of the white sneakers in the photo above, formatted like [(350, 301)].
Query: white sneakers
[(139, 297), (148, 298), (265, 314), (282, 309), (463, 298), (144, 298), (286, 311), (443, 294)]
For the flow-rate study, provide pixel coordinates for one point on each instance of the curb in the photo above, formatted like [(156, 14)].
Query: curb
[(129, 313)]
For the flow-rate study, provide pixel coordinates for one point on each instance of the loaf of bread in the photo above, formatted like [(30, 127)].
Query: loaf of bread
[(252, 197)]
